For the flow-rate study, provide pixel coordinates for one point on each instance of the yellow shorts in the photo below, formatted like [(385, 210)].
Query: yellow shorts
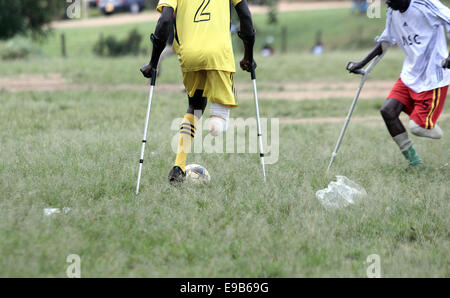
[(217, 86)]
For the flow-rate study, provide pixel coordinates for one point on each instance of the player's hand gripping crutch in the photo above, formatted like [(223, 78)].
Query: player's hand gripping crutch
[(149, 71), (365, 74)]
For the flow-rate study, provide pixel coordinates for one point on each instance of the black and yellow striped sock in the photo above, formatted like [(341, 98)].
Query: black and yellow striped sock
[(187, 134)]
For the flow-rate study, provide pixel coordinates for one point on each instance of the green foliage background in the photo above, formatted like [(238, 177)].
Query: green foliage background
[(25, 16)]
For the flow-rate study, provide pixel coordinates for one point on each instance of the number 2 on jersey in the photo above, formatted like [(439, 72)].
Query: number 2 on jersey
[(201, 15)]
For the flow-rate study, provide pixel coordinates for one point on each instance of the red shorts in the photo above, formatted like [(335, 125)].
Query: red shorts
[(425, 107)]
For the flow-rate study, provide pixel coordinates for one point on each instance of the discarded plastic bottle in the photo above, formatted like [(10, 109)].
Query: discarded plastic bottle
[(341, 193), (53, 211)]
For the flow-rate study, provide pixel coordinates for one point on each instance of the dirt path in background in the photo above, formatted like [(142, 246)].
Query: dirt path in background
[(26, 82), (302, 6), (122, 19), (289, 91), (371, 120), (296, 91)]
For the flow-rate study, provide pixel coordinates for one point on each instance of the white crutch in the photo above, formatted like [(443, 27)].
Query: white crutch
[(144, 140), (258, 121), (365, 74)]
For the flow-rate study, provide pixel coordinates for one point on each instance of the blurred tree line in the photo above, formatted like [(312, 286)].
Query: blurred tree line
[(28, 16), (31, 16)]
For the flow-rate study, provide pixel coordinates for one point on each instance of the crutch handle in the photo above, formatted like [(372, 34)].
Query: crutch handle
[(253, 73), (153, 71), (253, 69), (357, 71)]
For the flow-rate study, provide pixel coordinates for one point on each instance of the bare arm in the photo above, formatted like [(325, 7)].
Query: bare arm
[(159, 40), (162, 30), (245, 18), (355, 66), (247, 34)]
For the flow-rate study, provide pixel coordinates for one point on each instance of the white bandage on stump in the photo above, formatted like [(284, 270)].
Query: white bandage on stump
[(218, 123), (403, 141), (416, 129)]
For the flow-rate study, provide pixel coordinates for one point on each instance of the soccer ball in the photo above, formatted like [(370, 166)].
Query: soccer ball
[(197, 174)]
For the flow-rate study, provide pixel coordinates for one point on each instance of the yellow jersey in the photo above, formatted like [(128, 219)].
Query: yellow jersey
[(202, 34)]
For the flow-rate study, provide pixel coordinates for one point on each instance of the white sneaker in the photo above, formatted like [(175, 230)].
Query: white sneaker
[(218, 123), (435, 133)]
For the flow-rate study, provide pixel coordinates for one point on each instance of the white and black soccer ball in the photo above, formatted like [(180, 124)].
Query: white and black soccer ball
[(197, 174)]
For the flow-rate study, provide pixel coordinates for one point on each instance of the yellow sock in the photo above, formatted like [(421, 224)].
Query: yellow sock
[(187, 134)]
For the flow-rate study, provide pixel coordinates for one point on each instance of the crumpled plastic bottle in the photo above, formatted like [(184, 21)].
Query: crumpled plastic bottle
[(340, 194), (53, 211)]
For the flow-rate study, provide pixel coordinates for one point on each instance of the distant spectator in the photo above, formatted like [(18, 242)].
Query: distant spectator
[(364, 6), (359, 6), (267, 49), (318, 47)]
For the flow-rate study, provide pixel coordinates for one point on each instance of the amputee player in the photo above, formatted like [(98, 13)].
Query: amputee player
[(417, 27), (204, 48)]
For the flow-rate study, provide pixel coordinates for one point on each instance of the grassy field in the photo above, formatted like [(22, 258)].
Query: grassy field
[(340, 30), (80, 149)]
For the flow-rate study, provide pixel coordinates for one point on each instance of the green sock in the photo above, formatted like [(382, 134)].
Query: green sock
[(412, 156)]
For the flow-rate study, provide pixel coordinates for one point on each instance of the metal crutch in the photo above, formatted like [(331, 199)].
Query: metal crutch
[(258, 121), (144, 139), (365, 74)]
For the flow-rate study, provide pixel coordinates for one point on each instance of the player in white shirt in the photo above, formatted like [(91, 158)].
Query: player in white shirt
[(417, 27)]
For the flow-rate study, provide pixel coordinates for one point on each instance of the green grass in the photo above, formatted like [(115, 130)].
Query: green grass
[(80, 149), (309, 108), (340, 30), (280, 68)]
